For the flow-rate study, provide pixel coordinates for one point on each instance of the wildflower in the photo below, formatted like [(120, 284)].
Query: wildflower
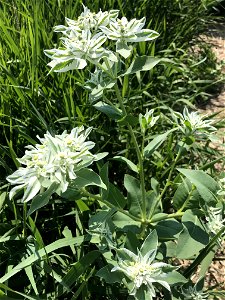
[(222, 187), (148, 120), (214, 219), (192, 123), (56, 159), (141, 271), (77, 51), (193, 294), (83, 39)]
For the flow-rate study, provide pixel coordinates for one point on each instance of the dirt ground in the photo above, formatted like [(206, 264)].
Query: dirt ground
[(216, 37)]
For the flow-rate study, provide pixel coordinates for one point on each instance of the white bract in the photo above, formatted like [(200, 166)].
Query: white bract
[(215, 220), (83, 39), (222, 187), (77, 51), (192, 123), (148, 120), (55, 160), (141, 271), (124, 31)]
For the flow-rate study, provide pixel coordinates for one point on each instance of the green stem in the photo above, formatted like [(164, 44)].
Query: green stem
[(171, 216), (159, 198), (24, 220), (99, 198), (139, 154)]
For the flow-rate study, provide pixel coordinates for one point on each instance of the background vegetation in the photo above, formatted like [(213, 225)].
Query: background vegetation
[(33, 102)]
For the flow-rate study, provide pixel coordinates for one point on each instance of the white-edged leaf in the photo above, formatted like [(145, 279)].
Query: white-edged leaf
[(129, 163)]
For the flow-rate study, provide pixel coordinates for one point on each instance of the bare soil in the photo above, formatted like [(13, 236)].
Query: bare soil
[(216, 37)]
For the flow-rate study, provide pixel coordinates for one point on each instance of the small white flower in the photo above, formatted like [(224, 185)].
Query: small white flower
[(192, 123), (56, 159), (141, 271), (148, 120)]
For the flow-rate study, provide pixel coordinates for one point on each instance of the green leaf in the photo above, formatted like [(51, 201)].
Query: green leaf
[(125, 223), (175, 278), (111, 111), (132, 186), (206, 185), (2, 199), (186, 195), (42, 199), (205, 251), (115, 197), (123, 49), (72, 193), (193, 238), (82, 206), (132, 242), (87, 177), (42, 253), (108, 276), (142, 63), (77, 270), (4, 297), (168, 229), (30, 275), (156, 143), (129, 163), (150, 243), (104, 174)]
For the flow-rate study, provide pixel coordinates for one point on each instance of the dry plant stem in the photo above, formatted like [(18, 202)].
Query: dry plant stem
[(99, 198), (139, 155)]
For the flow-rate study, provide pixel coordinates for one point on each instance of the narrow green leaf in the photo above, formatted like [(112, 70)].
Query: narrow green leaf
[(111, 111), (142, 63), (129, 163), (78, 269), (42, 253), (156, 143)]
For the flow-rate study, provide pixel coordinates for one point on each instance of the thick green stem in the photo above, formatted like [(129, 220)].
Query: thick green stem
[(166, 217), (99, 198), (139, 154)]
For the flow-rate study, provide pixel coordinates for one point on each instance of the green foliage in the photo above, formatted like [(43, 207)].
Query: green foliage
[(94, 233)]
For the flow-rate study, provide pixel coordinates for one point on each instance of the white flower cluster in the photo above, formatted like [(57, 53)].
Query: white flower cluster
[(148, 120), (55, 160), (141, 271), (215, 220), (192, 123), (83, 39)]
